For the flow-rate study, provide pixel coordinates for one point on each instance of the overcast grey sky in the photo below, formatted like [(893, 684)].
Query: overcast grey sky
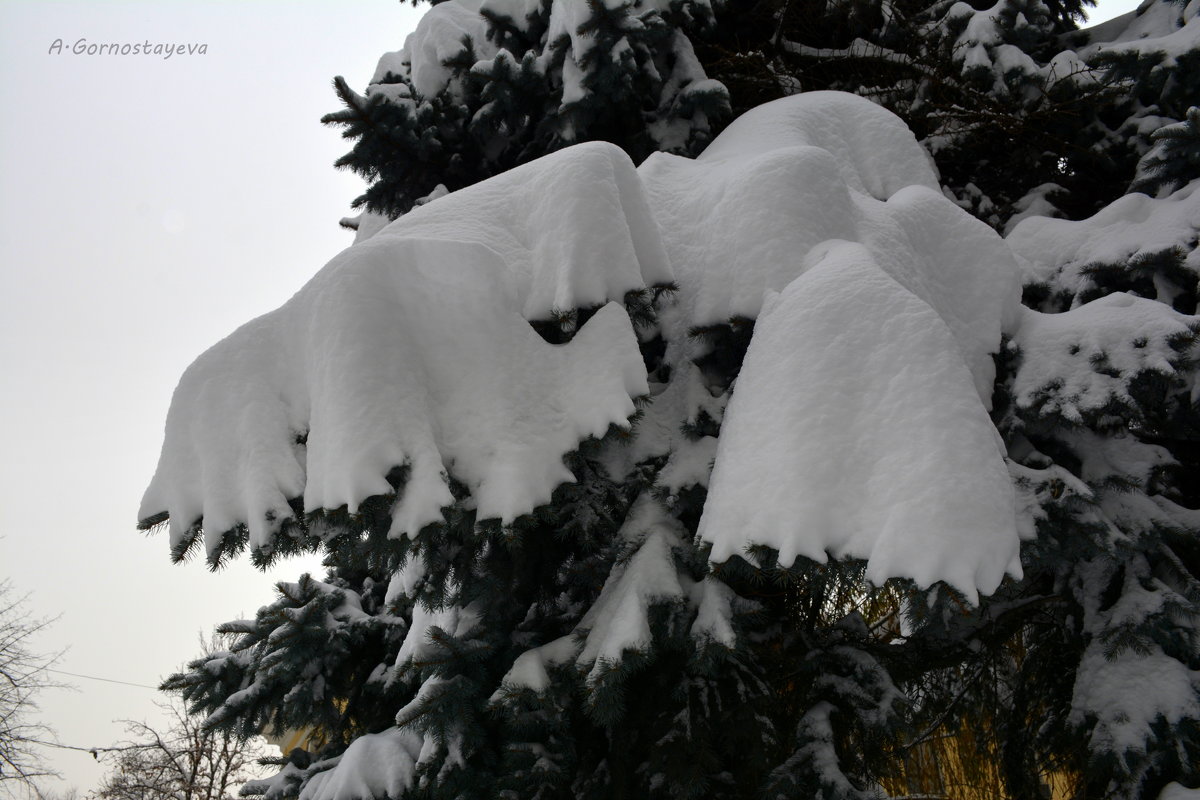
[(149, 206)]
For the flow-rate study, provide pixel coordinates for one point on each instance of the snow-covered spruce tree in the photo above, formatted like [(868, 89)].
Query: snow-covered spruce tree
[(474, 93), (1108, 459), (1154, 53), (1023, 113), (992, 89), (1174, 158), (783, 575)]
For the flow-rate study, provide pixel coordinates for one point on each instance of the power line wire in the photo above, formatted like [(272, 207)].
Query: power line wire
[(95, 751), (106, 680)]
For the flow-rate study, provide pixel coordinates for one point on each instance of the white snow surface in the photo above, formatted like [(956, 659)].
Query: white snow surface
[(981, 48), (530, 669), (861, 410), (574, 228), (681, 401), (1127, 693), (442, 35), (874, 151), (374, 765), (417, 644), (368, 224), (1157, 26), (792, 174), (439, 37), (714, 609), (1177, 791), (1059, 350), (1130, 226), (400, 352), (619, 619), (855, 430)]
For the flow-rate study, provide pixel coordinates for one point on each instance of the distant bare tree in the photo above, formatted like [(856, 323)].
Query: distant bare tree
[(183, 762), (69, 793), (23, 673)]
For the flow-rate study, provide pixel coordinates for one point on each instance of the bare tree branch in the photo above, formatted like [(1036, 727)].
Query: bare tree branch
[(180, 761), (24, 672)]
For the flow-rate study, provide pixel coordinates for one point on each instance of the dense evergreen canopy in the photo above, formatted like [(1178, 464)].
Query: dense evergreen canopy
[(672, 553)]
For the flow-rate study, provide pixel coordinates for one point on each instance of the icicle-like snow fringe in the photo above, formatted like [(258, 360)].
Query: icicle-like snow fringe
[(411, 354)]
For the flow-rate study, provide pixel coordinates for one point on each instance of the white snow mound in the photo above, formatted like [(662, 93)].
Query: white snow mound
[(792, 174), (858, 426), (875, 152), (1080, 361), (855, 430), (440, 36), (400, 353), (1130, 227), (574, 228), (1167, 30), (374, 765), (619, 619), (1128, 693)]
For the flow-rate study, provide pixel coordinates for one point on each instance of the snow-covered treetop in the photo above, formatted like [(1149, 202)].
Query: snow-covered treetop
[(1169, 28), (440, 35), (438, 38), (858, 427)]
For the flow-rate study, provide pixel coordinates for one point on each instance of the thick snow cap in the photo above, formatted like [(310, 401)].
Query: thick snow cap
[(791, 174), (374, 765), (855, 431), (1129, 228), (858, 425), (574, 228), (412, 349)]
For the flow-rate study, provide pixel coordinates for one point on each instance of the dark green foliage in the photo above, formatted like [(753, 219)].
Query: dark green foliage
[(1103, 479), (1175, 158), (821, 685), (998, 127), (982, 85), (508, 101), (852, 712)]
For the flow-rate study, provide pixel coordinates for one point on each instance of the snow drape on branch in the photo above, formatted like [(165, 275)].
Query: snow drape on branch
[(874, 445), (846, 413), (795, 458), (438, 39), (1132, 228), (780, 180), (1155, 29), (1079, 362), (409, 351), (481, 87), (574, 228), (375, 765), (617, 622), (1105, 383)]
